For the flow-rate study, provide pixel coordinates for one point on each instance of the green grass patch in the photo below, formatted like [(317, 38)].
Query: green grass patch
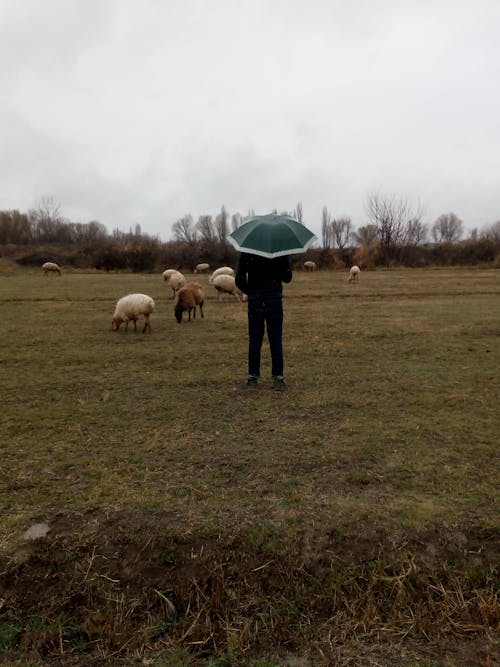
[(386, 435)]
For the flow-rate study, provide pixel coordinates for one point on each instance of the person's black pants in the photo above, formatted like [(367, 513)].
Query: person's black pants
[(265, 314)]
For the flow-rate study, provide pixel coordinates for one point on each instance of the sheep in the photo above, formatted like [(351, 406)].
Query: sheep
[(223, 271), (201, 268), (187, 298), (309, 266), (166, 274), (226, 285), (176, 281), (131, 307), (354, 274), (50, 267)]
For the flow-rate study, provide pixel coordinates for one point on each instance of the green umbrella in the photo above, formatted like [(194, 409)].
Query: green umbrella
[(272, 236)]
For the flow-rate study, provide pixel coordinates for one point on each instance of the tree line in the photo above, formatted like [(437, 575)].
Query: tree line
[(394, 234)]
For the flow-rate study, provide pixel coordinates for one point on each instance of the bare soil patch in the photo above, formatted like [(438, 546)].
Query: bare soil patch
[(100, 588)]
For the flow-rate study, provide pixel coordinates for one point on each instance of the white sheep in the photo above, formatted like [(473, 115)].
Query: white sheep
[(176, 281), (201, 268), (166, 274), (354, 274), (309, 266), (223, 271), (186, 299), (132, 307), (51, 267), (226, 285)]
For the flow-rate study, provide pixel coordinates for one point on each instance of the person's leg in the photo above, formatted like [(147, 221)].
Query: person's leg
[(256, 320), (274, 320)]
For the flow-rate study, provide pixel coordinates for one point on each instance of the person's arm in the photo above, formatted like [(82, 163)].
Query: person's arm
[(240, 278), (287, 270)]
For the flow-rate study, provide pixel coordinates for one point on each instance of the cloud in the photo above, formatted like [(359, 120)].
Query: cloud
[(127, 112)]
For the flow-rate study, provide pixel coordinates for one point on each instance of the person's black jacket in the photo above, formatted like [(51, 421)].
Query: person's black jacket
[(262, 278)]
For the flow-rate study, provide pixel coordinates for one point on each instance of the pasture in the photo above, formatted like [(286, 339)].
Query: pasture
[(350, 520)]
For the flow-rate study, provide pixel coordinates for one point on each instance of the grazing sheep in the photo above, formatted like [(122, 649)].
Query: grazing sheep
[(223, 271), (131, 307), (201, 268), (354, 274), (186, 299), (176, 281), (166, 274), (309, 266), (50, 267), (226, 285)]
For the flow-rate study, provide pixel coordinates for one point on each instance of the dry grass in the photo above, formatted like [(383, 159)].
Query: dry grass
[(193, 520)]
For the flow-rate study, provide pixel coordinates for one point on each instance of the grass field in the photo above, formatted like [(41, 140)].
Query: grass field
[(350, 520)]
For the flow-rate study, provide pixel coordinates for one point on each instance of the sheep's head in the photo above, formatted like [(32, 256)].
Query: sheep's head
[(116, 323), (178, 315)]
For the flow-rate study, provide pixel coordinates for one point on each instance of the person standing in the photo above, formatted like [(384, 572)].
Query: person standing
[(261, 280)]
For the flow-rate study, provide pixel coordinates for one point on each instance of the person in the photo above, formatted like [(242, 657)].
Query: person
[(261, 280)]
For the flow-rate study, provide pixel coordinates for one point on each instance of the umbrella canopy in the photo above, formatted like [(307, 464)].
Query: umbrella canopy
[(272, 236)]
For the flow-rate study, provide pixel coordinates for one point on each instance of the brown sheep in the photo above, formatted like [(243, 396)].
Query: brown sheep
[(186, 299)]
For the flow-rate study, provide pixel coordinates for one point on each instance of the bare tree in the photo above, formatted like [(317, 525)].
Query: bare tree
[(366, 235), (205, 229), (341, 232), (448, 228), (235, 221), (392, 216), (326, 228), (416, 232), (221, 225), (86, 233), (298, 212), (15, 227), (184, 230), (47, 222), (492, 231), (389, 214), (49, 209)]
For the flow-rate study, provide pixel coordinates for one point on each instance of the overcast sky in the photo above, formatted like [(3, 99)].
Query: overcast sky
[(141, 111)]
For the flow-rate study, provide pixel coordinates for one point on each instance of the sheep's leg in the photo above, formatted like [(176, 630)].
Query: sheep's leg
[(147, 324), (201, 309)]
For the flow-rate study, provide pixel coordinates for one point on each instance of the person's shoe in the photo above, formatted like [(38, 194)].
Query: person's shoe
[(279, 382), (252, 380)]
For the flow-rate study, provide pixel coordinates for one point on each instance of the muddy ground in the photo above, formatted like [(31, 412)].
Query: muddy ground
[(119, 589)]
